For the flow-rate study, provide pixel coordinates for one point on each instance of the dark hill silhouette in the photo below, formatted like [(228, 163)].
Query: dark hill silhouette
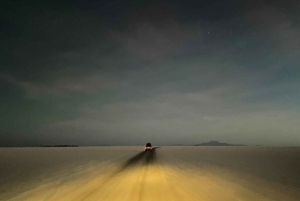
[(216, 143), (61, 145)]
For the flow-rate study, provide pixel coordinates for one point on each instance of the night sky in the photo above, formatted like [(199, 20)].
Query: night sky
[(168, 72)]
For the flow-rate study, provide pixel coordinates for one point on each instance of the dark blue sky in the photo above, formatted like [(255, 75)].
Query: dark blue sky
[(169, 72)]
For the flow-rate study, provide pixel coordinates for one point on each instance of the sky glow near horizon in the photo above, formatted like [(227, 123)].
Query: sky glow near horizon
[(161, 71)]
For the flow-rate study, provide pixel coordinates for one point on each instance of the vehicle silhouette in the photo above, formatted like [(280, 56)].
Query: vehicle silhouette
[(148, 147)]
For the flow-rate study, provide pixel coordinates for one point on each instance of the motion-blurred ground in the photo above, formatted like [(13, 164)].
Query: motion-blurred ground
[(167, 173)]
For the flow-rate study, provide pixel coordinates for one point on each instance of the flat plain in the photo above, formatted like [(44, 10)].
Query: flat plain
[(166, 173)]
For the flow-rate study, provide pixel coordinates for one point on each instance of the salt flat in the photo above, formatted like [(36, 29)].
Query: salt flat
[(167, 173)]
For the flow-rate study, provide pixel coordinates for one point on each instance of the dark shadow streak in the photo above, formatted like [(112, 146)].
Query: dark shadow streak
[(150, 157), (132, 161)]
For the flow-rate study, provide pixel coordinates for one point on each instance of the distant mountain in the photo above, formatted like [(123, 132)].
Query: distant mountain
[(216, 143)]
